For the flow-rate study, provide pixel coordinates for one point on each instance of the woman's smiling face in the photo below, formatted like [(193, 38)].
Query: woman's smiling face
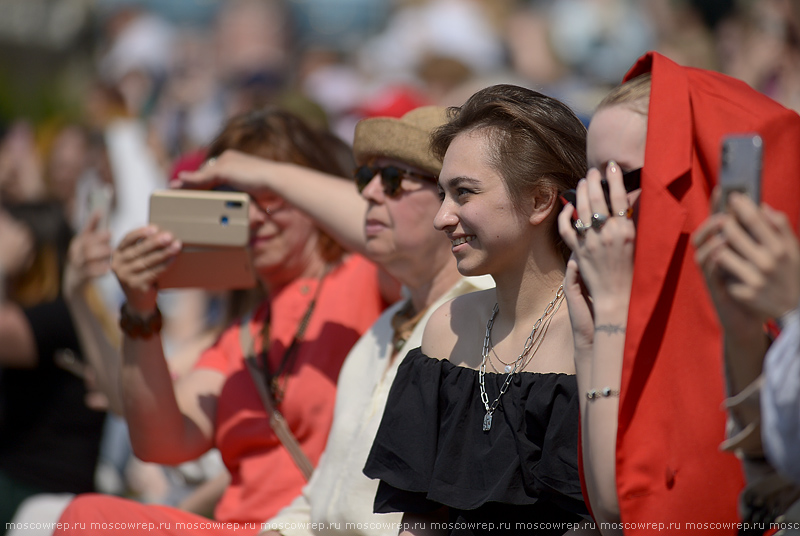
[(477, 213), (283, 240)]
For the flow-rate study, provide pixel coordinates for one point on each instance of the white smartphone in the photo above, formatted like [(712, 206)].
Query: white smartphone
[(740, 166), (99, 200), (215, 230)]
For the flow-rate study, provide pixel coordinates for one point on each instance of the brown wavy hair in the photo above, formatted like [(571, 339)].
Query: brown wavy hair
[(538, 143), (279, 135)]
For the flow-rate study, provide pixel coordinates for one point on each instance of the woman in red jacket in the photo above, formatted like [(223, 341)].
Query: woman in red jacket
[(648, 345)]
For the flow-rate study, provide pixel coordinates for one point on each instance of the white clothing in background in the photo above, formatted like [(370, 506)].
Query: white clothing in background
[(339, 497), (780, 400)]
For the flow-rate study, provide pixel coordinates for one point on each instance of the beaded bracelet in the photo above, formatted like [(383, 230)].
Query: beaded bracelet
[(137, 327), (605, 392)]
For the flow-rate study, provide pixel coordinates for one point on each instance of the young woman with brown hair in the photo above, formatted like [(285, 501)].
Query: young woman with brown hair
[(480, 431)]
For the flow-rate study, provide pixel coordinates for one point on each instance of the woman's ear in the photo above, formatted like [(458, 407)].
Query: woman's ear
[(543, 203)]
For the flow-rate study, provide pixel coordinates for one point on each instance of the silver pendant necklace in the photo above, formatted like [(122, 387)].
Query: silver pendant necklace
[(511, 368)]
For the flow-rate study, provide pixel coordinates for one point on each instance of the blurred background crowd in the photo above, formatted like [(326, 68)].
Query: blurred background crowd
[(182, 66), (70, 68), (116, 95)]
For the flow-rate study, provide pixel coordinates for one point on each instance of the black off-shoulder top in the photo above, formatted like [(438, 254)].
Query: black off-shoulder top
[(431, 450)]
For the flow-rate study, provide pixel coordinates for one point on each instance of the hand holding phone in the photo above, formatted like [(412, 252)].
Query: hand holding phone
[(740, 167), (214, 228), (631, 179)]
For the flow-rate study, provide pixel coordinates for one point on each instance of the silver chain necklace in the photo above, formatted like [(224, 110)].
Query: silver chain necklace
[(510, 371)]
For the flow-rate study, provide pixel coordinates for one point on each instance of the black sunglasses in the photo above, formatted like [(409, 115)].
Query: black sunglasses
[(631, 179), (391, 176)]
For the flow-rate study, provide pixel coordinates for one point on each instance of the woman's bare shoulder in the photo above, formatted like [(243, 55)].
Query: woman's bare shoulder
[(454, 323)]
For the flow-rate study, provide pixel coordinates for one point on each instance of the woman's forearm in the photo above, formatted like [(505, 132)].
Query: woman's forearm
[(103, 357), (744, 358), (160, 430), (333, 202), (601, 411)]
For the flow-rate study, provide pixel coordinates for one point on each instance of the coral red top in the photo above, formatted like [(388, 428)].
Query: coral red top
[(264, 476), (669, 466)]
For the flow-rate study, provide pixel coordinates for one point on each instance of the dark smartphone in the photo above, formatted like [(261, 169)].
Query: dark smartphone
[(740, 166), (631, 179)]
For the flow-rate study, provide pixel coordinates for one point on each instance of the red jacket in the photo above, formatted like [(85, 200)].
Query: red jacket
[(669, 466)]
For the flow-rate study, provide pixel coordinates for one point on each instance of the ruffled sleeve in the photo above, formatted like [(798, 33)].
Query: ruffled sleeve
[(431, 450)]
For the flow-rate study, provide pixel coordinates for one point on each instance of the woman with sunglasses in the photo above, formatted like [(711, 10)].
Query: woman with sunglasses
[(648, 345), (319, 300), (336, 206), (480, 430), (399, 200)]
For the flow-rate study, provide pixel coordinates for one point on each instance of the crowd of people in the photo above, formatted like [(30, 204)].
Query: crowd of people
[(498, 287)]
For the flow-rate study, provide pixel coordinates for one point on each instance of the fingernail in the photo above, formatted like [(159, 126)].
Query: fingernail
[(164, 238), (612, 166)]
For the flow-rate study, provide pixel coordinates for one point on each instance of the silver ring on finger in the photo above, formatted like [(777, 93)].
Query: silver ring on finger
[(598, 220), (210, 162), (580, 227), (627, 213)]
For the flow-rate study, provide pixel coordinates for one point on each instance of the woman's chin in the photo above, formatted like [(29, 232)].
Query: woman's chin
[(468, 269), (267, 270)]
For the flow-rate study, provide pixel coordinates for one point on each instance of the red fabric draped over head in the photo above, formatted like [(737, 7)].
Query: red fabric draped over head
[(669, 466)]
